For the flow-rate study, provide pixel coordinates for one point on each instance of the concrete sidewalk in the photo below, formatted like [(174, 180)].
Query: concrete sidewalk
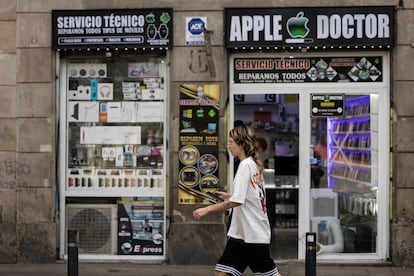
[(131, 269)]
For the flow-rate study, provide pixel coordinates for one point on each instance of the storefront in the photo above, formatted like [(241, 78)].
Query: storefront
[(315, 84), (113, 100)]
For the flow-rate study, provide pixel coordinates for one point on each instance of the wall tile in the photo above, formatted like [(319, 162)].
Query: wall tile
[(404, 205), (403, 65), (404, 170), (8, 69), (7, 37), (8, 101), (199, 236), (404, 131), (191, 65), (35, 170), (402, 235), (405, 23), (35, 100), (8, 170), (8, 9), (8, 134), (403, 97), (36, 135), (34, 35), (35, 205), (34, 65), (8, 236), (48, 5), (36, 243), (7, 208)]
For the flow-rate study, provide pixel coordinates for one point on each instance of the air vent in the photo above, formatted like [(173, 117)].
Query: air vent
[(97, 227)]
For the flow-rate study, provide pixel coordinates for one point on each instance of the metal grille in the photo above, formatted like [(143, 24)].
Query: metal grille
[(94, 225)]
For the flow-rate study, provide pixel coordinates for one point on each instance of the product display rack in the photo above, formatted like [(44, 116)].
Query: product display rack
[(286, 208), (352, 147), (352, 171), (113, 170), (115, 129)]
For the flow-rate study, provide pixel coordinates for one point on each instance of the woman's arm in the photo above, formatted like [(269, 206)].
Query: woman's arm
[(218, 207), (223, 195)]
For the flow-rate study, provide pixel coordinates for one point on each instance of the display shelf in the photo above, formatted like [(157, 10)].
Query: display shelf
[(126, 192), (352, 146), (114, 179), (115, 130), (285, 230), (286, 208), (114, 154), (351, 180)]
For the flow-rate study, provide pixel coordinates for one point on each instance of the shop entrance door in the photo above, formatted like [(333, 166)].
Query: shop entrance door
[(345, 180), (332, 159), (275, 118)]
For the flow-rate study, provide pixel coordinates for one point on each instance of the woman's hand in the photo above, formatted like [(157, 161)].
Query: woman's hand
[(200, 212), (218, 207)]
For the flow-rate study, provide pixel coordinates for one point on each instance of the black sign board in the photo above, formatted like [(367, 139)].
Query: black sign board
[(308, 69), (324, 105), (112, 29), (321, 27)]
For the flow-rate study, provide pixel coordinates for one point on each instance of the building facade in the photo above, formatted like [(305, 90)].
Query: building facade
[(50, 145)]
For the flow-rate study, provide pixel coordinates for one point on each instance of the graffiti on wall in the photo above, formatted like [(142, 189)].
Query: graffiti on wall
[(13, 169)]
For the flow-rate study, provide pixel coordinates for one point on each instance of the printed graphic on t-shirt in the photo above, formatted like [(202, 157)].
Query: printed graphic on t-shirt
[(257, 182)]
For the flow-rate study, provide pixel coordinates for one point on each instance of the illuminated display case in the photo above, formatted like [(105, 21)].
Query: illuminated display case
[(113, 155), (352, 173), (115, 118), (353, 147)]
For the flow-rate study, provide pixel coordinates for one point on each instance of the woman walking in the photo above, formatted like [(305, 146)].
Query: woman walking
[(249, 232)]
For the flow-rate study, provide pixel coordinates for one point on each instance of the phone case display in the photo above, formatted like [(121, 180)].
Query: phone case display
[(115, 118)]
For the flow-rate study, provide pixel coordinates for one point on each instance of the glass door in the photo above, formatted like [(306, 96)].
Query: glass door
[(342, 178), (344, 174), (275, 118)]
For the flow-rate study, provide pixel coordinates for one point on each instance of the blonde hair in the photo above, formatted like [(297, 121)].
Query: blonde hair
[(245, 137)]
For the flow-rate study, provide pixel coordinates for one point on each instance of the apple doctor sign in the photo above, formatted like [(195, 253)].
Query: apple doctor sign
[(330, 27), (297, 27)]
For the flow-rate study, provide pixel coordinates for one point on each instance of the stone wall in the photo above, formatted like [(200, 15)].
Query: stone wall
[(190, 65), (8, 133), (27, 137), (402, 225)]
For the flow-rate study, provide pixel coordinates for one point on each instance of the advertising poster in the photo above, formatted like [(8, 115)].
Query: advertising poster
[(198, 155), (141, 226)]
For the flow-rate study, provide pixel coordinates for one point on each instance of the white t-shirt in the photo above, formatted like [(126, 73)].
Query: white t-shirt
[(249, 221)]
